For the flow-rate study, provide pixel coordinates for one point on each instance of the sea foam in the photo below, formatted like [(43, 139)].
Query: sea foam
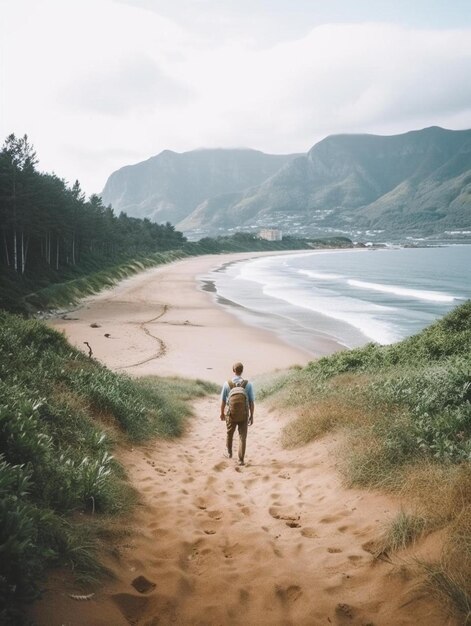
[(431, 296)]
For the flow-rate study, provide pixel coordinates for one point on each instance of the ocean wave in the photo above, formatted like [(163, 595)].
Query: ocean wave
[(419, 294), (320, 275), (365, 318)]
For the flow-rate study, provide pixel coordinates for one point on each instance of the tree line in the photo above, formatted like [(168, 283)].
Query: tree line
[(47, 225)]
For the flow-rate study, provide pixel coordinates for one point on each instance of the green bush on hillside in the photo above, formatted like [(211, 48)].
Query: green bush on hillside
[(406, 411), (56, 452)]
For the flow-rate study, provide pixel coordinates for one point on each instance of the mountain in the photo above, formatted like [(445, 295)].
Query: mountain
[(169, 186), (417, 182)]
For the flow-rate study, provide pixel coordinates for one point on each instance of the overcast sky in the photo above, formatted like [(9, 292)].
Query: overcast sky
[(98, 84)]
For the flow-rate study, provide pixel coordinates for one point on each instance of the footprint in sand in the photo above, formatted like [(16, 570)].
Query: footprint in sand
[(309, 532), (215, 515), (334, 550), (244, 596), (283, 514), (220, 466), (288, 595), (344, 610), (354, 558), (143, 584), (343, 529), (293, 524)]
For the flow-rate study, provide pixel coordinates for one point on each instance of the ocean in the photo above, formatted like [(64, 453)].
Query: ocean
[(349, 296)]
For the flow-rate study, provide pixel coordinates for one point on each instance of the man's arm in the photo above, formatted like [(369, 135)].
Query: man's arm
[(251, 409), (224, 394)]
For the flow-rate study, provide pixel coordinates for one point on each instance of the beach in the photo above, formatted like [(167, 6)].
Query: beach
[(162, 322), (277, 542)]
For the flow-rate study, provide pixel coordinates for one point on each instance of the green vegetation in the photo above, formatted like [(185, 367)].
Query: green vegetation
[(401, 532), (405, 410), (61, 416), (63, 294), (57, 246), (247, 242), (50, 233)]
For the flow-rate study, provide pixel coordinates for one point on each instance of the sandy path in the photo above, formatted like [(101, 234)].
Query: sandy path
[(277, 542)]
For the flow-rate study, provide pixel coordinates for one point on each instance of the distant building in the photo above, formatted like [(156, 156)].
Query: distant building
[(271, 234)]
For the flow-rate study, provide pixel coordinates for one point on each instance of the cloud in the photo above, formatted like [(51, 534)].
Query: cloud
[(136, 84), (96, 83)]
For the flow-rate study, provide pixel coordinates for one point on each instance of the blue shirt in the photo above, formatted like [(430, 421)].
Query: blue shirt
[(237, 379)]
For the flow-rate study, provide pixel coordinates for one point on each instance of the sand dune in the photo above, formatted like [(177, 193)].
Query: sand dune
[(277, 542)]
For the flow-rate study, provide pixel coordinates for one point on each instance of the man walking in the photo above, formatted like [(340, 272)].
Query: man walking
[(238, 396)]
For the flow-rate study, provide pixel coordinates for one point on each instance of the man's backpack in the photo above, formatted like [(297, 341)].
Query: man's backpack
[(237, 406)]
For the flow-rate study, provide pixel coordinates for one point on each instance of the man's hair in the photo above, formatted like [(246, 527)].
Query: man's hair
[(238, 368)]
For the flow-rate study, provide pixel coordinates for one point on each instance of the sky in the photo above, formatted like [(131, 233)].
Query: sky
[(100, 84)]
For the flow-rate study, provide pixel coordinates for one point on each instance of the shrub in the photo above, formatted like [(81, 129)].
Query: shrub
[(56, 452), (403, 530)]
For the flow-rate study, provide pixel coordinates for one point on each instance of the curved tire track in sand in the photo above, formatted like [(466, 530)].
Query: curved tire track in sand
[(163, 347)]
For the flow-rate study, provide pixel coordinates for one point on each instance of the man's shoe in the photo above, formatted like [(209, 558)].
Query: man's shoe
[(241, 462), (227, 455)]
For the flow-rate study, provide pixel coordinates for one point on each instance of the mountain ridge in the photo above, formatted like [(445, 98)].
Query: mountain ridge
[(415, 182), (153, 188)]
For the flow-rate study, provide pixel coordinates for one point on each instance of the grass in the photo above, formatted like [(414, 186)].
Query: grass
[(61, 417), (405, 412), (69, 292), (449, 589), (402, 531), (44, 288)]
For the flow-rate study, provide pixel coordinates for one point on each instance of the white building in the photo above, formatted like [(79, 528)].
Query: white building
[(271, 234)]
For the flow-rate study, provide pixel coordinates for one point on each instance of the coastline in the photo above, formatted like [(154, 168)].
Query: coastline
[(163, 322), (182, 548)]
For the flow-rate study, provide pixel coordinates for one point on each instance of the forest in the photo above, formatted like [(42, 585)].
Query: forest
[(48, 227), (58, 246)]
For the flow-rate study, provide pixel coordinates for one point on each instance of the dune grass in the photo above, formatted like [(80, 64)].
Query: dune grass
[(405, 412), (61, 417), (44, 288), (400, 532), (70, 291)]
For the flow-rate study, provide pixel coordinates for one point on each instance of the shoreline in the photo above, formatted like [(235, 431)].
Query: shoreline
[(302, 528), (163, 322)]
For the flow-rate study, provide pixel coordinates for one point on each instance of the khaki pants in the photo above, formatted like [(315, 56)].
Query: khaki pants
[(231, 427)]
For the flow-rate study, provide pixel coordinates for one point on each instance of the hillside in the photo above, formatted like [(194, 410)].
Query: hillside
[(169, 186), (417, 183), (63, 416), (403, 415)]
